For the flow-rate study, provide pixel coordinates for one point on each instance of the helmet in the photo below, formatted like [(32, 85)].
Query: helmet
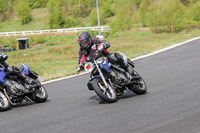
[(84, 40), (3, 56)]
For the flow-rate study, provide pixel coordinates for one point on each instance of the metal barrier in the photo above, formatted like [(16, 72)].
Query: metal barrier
[(102, 28)]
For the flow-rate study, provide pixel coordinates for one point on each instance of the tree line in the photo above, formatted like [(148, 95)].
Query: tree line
[(121, 15)]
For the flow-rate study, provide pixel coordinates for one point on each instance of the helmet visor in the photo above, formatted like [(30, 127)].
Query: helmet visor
[(84, 44)]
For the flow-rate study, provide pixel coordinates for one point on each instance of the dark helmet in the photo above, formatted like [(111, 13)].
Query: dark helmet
[(84, 40)]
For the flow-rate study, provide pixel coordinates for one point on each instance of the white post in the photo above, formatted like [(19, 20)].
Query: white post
[(98, 18)]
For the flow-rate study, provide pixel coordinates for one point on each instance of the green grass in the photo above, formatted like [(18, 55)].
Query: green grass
[(54, 61), (40, 17)]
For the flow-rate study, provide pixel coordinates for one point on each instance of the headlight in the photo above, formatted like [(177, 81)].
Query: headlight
[(88, 67)]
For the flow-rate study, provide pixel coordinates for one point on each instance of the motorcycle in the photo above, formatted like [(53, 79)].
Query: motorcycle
[(16, 91), (108, 88)]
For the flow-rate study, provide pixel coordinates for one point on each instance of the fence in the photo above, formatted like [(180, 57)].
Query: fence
[(102, 28)]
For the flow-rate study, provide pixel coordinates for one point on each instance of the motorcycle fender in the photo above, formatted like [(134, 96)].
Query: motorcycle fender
[(89, 84), (2, 76)]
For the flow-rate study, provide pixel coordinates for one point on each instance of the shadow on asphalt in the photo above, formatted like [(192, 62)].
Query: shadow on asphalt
[(124, 96), (28, 103), (24, 104)]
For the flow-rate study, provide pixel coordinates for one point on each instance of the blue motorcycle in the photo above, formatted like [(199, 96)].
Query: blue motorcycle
[(15, 90), (107, 87)]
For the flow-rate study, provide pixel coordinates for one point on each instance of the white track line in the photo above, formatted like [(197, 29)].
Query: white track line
[(137, 58)]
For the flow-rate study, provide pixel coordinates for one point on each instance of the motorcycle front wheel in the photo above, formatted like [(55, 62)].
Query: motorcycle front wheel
[(39, 95), (4, 103), (106, 94)]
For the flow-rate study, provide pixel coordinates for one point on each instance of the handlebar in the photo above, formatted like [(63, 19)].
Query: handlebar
[(97, 54)]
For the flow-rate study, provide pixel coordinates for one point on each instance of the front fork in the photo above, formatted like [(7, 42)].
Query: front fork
[(101, 74)]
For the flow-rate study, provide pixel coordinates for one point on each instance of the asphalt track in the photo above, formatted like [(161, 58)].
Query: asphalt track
[(172, 104)]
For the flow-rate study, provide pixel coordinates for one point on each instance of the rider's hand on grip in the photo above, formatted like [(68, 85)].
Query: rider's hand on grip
[(79, 68), (101, 47)]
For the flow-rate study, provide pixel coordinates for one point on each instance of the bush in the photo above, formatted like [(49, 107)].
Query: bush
[(106, 10), (196, 11), (70, 22), (138, 2), (93, 18), (38, 3), (3, 6), (56, 18), (163, 15), (80, 8), (144, 12), (188, 2), (124, 19), (85, 7), (23, 10)]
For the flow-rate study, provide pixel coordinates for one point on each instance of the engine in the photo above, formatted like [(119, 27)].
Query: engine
[(14, 87), (120, 78)]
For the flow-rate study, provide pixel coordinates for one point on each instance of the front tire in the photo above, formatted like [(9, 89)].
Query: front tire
[(39, 95), (106, 94), (4, 103)]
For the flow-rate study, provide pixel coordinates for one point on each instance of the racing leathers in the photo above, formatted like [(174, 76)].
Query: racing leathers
[(96, 44), (12, 70)]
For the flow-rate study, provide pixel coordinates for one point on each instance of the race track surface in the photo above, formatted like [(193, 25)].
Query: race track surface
[(172, 104)]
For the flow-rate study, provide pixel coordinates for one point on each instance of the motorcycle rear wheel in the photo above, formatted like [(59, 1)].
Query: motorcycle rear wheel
[(39, 95), (106, 94), (4, 103), (138, 86)]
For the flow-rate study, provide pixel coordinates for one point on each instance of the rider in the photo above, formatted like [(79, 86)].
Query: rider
[(89, 46), (12, 70)]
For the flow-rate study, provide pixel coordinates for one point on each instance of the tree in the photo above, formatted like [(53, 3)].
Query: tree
[(106, 9), (125, 18), (196, 11), (23, 10), (56, 18), (93, 17), (164, 15), (81, 8), (143, 10)]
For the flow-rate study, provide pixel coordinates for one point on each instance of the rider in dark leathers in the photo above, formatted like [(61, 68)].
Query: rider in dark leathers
[(12, 70), (89, 46)]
